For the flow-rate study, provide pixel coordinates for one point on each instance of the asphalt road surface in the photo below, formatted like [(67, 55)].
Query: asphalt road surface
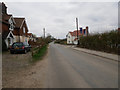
[(68, 68)]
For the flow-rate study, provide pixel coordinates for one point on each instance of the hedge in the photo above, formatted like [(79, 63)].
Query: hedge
[(107, 42)]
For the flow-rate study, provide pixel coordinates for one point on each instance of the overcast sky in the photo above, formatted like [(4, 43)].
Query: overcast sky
[(59, 17)]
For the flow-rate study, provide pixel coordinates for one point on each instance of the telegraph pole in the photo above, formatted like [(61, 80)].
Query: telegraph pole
[(77, 30), (44, 32)]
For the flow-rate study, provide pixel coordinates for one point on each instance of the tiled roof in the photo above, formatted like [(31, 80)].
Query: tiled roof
[(19, 22), (75, 39), (74, 33), (5, 18)]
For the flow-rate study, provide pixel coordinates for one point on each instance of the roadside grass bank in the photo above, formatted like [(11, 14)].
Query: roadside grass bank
[(40, 53)]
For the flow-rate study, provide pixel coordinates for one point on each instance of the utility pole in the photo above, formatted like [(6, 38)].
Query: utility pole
[(44, 32), (77, 30)]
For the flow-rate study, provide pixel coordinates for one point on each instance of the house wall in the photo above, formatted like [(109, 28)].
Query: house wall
[(76, 42), (16, 39), (22, 39), (22, 29), (5, 27), (20, 35), (69, 39)]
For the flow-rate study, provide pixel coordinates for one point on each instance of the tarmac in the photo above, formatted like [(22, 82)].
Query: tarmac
[(110, 56)]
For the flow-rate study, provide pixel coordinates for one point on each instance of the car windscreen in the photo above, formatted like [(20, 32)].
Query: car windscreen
[(18, 44)]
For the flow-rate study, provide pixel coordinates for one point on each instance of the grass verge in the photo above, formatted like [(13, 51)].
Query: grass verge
[(40, 53)]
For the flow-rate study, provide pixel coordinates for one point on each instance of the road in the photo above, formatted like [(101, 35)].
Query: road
[(68, 68)]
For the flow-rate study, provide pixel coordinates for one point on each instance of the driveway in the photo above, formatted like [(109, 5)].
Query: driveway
[(19, 72)]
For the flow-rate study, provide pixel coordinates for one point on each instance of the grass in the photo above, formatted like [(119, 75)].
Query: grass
[(40, 53)]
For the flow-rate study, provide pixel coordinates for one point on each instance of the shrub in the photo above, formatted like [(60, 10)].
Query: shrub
[(107, 42)]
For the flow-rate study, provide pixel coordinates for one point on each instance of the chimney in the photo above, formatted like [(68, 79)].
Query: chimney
[(4, 8), (87, 32)]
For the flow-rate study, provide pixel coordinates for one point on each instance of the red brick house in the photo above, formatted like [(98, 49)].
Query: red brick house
[(13, 29), (7, 22), (21, 30)]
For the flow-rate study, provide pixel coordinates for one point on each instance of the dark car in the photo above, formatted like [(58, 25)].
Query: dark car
[(19, 47)]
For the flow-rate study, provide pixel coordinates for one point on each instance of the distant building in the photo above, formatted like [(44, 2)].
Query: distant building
[(31, 37), (72, 36)]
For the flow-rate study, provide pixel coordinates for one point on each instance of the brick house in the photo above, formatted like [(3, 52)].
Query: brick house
[(12, 29), (7, 22), (72, 36), (21, 30)]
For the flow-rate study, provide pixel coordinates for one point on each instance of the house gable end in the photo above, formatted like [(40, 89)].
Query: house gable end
[(24, 27)]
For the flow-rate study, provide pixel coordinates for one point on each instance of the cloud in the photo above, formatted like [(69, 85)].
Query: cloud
[(59, 17)]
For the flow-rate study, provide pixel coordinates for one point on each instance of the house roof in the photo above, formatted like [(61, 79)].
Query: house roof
[(74, 33), (5, 18), (29, 34), (75, 39), (19, 22)]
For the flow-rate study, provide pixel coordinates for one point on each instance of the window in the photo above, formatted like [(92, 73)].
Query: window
[(23, 29), (81, 30), (11, 26), (84, 32)]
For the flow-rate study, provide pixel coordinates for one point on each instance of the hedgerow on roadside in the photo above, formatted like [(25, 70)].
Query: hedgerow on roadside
[(107, 42)]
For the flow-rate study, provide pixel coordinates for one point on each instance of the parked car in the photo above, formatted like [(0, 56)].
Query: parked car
[(19, 47)]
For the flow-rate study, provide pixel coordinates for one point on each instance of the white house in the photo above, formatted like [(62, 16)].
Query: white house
[(72, 36)]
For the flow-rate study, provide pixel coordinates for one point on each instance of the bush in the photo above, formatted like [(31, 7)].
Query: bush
[(107, 42)]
